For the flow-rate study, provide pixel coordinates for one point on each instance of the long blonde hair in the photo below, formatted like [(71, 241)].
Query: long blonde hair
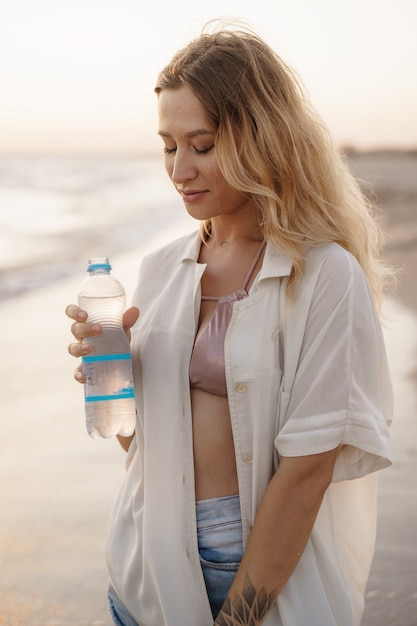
[(272, 146)]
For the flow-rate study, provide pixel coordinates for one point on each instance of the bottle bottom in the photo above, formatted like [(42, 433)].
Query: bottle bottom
[(108, 418)]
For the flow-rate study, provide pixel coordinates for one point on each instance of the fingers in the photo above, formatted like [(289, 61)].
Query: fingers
[(130, 317), (81, 329), (79, 349), (79, 375), (74, 312)]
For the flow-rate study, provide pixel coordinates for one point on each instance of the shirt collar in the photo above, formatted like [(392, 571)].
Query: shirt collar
[(191, 249), (275, 264)]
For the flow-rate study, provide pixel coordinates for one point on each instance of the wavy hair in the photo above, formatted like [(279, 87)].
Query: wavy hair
[(272, 146)]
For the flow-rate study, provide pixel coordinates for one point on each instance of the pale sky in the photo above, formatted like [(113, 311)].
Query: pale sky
[(78, 75)]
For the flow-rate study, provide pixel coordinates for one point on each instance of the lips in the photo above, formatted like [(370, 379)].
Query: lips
[(192, 195)]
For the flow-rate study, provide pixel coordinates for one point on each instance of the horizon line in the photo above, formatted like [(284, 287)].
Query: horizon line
[(346, 149)]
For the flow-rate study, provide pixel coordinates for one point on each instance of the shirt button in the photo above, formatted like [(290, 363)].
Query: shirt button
[(241, 388), (248, 458)]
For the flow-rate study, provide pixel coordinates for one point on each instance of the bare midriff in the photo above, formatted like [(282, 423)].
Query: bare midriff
[(214, 455)]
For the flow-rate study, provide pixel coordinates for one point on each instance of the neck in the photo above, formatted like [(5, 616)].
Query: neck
[(225, 236)]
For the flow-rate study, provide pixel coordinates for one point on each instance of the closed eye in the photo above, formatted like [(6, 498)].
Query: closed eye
[(205, 151), (196, 150)]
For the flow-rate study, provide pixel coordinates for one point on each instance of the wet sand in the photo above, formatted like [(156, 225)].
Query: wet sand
[(57, 484), (392, 589)]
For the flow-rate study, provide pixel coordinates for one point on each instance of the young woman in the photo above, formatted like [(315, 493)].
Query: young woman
[(263, 393)]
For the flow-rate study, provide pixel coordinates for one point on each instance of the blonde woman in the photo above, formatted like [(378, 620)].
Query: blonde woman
[(263, 391)]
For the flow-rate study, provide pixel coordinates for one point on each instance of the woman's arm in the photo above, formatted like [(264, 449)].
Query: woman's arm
[(278, 538)]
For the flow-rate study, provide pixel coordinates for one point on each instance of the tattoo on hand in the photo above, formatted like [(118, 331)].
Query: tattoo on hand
[(248, 609)]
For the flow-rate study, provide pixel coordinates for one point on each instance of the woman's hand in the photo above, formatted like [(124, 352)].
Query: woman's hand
[(82, 329)]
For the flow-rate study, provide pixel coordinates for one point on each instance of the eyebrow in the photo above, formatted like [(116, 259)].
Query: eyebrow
[(191, 134)]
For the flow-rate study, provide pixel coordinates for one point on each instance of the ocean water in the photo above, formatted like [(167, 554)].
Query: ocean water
[(55, 212)]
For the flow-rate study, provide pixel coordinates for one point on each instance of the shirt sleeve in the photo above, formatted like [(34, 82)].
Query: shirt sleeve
[(341, 393)]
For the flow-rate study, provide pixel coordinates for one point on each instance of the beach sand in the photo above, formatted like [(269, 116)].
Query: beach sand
[(392, 589), (57, 484)]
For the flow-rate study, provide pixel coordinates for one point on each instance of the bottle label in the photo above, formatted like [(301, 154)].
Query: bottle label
[(122, 394), (106, 357), (118, 391)]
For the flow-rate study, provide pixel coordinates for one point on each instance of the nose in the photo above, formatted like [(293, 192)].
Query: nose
[(183, 167)]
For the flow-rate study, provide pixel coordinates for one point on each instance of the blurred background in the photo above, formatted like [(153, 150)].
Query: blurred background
[(81, 174), (77, 76)]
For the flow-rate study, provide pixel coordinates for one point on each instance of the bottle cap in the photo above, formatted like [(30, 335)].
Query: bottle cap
[(98, 263)]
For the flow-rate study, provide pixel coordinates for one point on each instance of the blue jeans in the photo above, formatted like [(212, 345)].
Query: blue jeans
[(118, 611), (220, 544)]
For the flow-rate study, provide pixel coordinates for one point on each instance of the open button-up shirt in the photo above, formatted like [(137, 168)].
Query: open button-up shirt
[(300, 381)]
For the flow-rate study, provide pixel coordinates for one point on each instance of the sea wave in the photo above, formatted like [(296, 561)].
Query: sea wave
[(56, 212)]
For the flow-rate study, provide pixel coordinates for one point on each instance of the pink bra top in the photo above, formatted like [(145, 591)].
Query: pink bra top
[(207, 371)]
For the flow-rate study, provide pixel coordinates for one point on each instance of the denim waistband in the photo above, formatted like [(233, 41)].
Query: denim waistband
[(223, 510)]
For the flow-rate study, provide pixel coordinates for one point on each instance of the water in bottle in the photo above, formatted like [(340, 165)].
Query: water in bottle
[(108, 389)]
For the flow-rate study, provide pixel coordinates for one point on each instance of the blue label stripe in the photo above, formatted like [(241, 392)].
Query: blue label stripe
[(116, 396), (106, 357)]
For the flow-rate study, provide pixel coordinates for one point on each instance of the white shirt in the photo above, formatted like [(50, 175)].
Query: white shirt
[(320, 381)]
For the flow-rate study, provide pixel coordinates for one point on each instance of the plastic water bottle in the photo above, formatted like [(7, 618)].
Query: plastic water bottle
[(108, 389)]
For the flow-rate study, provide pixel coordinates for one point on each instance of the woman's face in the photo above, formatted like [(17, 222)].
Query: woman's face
[(190, 157)]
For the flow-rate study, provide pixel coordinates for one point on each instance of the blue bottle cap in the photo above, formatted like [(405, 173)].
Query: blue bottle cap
[(98, 263)]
